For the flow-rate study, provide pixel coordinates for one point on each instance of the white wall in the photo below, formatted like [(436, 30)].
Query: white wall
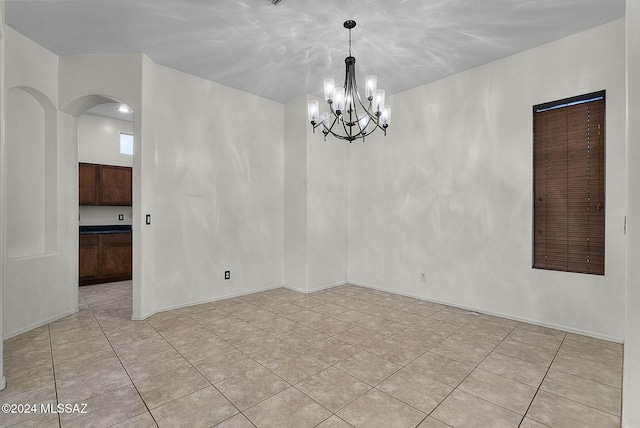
[(327, 207), (215, 183), (99, 140), (105, 216), (631, 381), (25, 192), (315, 204), (295, 196), (39, 269), (3, 382), (448, 191)]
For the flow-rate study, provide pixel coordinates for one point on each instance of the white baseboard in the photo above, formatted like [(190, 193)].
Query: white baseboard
[(232, 295), (199, 302), (313, 290), (40, 323), (502, 315)]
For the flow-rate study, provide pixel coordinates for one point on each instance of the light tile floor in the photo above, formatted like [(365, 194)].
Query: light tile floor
[(346, 356)]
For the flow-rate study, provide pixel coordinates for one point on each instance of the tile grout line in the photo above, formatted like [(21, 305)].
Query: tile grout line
[(371, 387), (195, 368), (541, 382), (53, 369), (241, 412), (476, 367), (122, 365), (291, 385), (375, 387)]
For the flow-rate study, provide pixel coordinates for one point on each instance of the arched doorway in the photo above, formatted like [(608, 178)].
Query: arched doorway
[(104, 137)]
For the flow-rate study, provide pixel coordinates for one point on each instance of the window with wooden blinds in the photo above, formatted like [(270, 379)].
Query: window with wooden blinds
[(568, 184)]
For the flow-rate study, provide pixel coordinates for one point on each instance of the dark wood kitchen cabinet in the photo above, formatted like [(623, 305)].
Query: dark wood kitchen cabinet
[(104, 184), (114, 185), (105, 258), (116, 255), (89, 263), (88, 179)]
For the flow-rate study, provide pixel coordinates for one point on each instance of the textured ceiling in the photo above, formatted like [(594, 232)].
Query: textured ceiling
[(281, 52)]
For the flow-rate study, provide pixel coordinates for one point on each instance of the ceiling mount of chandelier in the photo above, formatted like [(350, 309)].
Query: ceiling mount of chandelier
[(349, 118)]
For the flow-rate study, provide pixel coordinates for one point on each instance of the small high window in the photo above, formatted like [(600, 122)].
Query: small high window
[(126, 144), (568, 184)]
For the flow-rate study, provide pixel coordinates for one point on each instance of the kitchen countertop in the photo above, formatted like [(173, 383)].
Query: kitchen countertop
[(98, 230)]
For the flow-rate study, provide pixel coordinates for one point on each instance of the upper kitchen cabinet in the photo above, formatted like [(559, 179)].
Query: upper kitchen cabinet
[(115, 185), (104, 185), (88, 178)]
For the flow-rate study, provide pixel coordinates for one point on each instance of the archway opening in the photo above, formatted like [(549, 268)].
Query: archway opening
[(105, 140)]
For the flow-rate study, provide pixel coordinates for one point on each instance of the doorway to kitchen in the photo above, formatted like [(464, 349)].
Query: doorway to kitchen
[(105, 212)]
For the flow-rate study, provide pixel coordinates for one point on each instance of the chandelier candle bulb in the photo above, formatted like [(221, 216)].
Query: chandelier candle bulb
[(371, 84), (314, 111), (339, 100), (349, 118), (378, 101), (329, 88), (385, 117), (364, 122)]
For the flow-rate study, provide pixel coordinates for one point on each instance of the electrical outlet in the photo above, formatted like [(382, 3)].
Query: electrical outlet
[(423, 277), (227, 274), (121, 217), (148, 219)]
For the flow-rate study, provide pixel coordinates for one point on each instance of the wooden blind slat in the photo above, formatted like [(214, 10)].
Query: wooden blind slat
[(568, 190)]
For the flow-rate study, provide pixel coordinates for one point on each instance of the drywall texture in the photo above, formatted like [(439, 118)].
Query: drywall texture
[(327, 208), (216, 188), (448, 191), (295, 196), (40, 264), (315, 198), (3, 382), (99, 140), (631, 381)]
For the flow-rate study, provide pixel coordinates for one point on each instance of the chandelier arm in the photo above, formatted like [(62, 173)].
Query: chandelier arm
[(337, 135), (361, 132), (315, 125), (330, 128), (368, 114), (347, 132)]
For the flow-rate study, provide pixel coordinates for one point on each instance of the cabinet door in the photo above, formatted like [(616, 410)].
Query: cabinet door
[(115, 185), (116, 255), (88, 180), (89, 257)]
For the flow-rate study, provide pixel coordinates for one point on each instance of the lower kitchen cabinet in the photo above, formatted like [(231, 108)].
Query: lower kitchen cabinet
[(105, 258), (89, 263)]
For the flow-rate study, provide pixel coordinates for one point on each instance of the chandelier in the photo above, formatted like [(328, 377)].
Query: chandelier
[(348, 117)]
